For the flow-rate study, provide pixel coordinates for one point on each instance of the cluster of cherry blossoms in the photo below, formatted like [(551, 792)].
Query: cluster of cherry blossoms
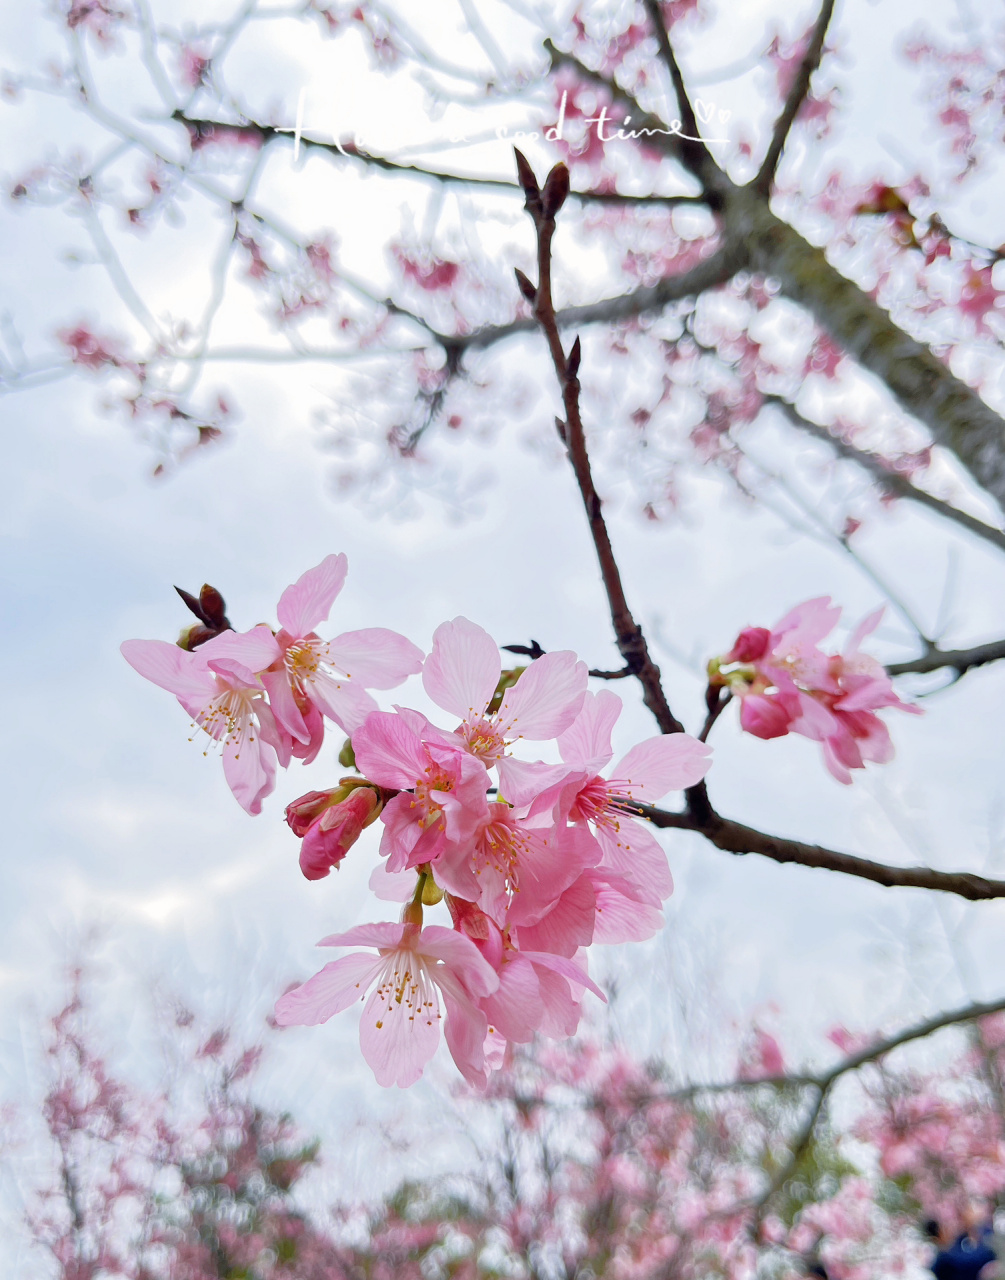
[(533, 861), (787, 684)]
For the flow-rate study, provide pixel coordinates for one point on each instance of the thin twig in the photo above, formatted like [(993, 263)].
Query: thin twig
[(543, 206), (890, 481), (795, 99)]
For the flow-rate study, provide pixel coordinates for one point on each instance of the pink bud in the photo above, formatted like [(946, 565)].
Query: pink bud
[(333, 834), (751, 644), (305, 811), (764, 717)]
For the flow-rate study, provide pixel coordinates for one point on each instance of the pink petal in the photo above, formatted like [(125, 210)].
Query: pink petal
[(764, 717), (461, 673), (388, 752), (567, 968), (173, 669), (546, 699), (375, 657), (834, 765), (465, 1028), (814, 721), (273, 733), (462, 956), (284, 705), (337, 986), (550, 862), (252, 650), (622, 914), (342, 701), (562, 1010), (567, 926), (381, 934), (516, 1008), (250, 770), (658, 765), (587, 742), (634, 851), (309, 601), (398, 1039), (522, 782), (866, 627), (391, 886), (806, 624)]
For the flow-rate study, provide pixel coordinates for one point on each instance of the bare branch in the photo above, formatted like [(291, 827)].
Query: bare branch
[(891, 481), (201, 128), (630, 639), (959, 660), (796, 97), (716, 269), (734, 837), (695, 155)]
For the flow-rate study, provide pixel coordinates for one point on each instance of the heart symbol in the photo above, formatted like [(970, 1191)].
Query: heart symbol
[(705, 110), (724, 115)]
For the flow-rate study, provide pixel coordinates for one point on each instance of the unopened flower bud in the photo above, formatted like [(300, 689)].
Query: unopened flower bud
[(751, 644), (331, 822)]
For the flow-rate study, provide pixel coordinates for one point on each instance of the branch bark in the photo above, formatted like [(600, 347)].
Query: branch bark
[(735, 837), (960, 660), (953, 411)]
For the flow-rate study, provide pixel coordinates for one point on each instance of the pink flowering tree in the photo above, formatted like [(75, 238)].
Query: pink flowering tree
[(189, 1183), (510, 841), (588, 1163)]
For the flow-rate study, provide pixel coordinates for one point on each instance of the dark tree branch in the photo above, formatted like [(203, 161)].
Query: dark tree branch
[(734, 837), (889, 480), (695, 155), (716, 269), (200, 129), (543, 207), (959, 660), (796, 97)]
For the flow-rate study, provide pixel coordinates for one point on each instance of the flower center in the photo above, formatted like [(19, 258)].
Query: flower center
[(483, 739), (229, 717)]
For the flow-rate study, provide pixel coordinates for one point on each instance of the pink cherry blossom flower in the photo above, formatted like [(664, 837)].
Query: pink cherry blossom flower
[(329, 677), (400, 1026), (220, 686), (461, 675), (442, 801), (787, 684), (522, 869), (582, 795)]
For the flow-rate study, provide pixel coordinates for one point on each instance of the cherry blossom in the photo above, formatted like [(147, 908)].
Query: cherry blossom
[(787, 684), (220, 686), (582, 795), (399, 1029), (318, 677), (461, 675)]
